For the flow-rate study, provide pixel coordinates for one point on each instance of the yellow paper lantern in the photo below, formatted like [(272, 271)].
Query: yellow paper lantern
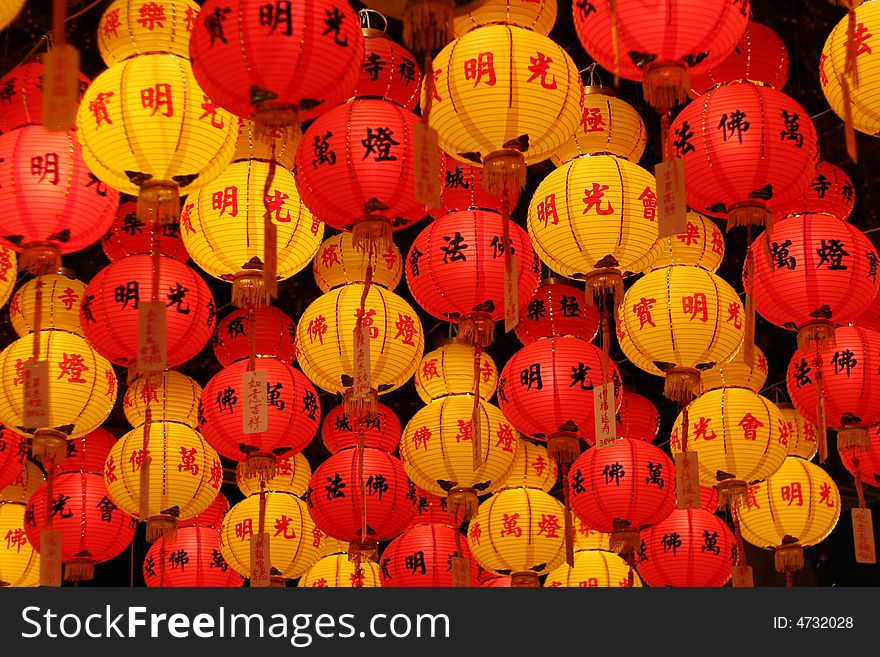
[(532, 468), (801, 435), (61, 297), (589, 539), (536, 15), (8, 273), (19, 561), (700, 245), (594, 568), (9, 10), (134, 27), (331, 546), (519, 532), (338, 571), (797, 507), (608, 125), (292, 475), (25, 485), (338, 262), (170, 396), (278, 144), (736, 434), (736, 373), (184, 477), (449, 370), (678, 320)]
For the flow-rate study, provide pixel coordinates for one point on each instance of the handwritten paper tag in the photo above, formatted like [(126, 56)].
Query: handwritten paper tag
[(50, 557), (427, 153), (152, 353), (60, 87), (36, 394), (603, 413), (863, 536), (270, 257), (461, 571), (361, 360), (256, 408), (687, 480), (477, 436), (670, 198), (260, 560), (511, 294), (743, 578)]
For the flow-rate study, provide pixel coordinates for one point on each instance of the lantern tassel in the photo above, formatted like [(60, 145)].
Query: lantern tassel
[(40, 258), (731, 493), (665, 85), (272, 120), (788, 558), (504, 172), (49, 446), (820, 333), (523, 580), (80, 568), (371, 232), (159, 200), (563, 447), (682, 385), (462, 504), (853, 437), (162, 526), (427, 24), (605, 280), (624, 538), (748, 213), (249, 288), (259, 465), (476, 329), (360, 405)]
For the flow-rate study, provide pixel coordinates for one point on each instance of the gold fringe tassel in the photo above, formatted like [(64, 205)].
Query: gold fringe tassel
[(524, 580), (159, 201), (788, 558), (852, 437), (258, 466), (79, 569), (40, 258), (371, 233), (476, 330), (162, 526), (682, 385), (462, 504), (731, 493), (504, 172), (427, 24), (49, 446), (748, 213), (816, 334), (665, 86), (249, 289)]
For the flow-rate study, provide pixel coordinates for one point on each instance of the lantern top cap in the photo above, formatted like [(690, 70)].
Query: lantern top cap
[(599, 90), (373, 23)]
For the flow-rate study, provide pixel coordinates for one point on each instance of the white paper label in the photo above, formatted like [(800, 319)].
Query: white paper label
[(671, 198), (50, 557), (427, 154), (152, 355), (260, 561), (603, 412), (477, 437), (60, 87), (256, 407), (863, 536), (36, 394), (361, 360), (687, 480)]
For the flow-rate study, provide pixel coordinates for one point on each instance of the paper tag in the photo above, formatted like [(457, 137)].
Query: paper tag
[(863, 536), (361, 360), (36, 394), (477, 437), (144, 512), (742, 577), (461, 571), (603, 412), (60, 87), (50, 557), (671, 202), (256, 408), (270, 257), (152, 354), (687, 480), (427, 153), (511, 294), (260, 561)]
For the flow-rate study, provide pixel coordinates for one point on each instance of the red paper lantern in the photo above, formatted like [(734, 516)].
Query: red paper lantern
[(388, 71), (128, 235), (192, 559), (275, 335), (23, 96), (638, 416), (381, 430), (691, 548), (557, 308), (829, 192), (496, 582), (88, 453), (212, 516), (870, 319), (13, 452), (430, 509), (109, 311), (461, 187), (864, 462), (421, 557)]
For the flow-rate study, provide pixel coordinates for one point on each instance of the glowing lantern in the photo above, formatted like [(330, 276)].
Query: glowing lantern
[(381, 430), (19, 561), (736, 373), (864, 462), (431, 510), (660, 45), (109, 310), (454, 369), (538, 16), (13, 452), (557, 308), (739, 438), (870, 318), (275, 335), (532, 468), (638, 417), (678, 320), (388, 70), (800, 437), (292, 475), (497, 582), (262, 143), (9, 11), (338, 262), (830, 192), (60, 298), (169, 396), (691, 548), (461, 187), (338, 571), (129, 236), (700, 245), (87, 453), (589, 539), (420, 557), (23, 91), (8, 270), (129, 27), (594, 568), (797, 507), (192, 559)]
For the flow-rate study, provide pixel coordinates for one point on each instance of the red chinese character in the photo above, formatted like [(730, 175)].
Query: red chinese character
[(505, 437), (406, 329), (275, 203), (823, 76), (111, 383), (429, 369), (150, 393), (549, 526), (282, 527), (825, 495), (701, 429), (762, 362), (674, 440), (110, 470), (809, 432), (244, 529), (320, 583), (211, 111), (785, 429), (19, 371), (649, 201), (750, 425), (284, 466), (317, 537), (111, 24), (98, 108), (464, 430), (593, 198), (188, 461), (696, 305), (474, 533), (16, 538), (186, 218), (152, 15), (317, 329), (72, 366), (157, 97), (486, 372), (539, 67), (390, 258), (733, 314), (860, 38), (357, 577), (5, 264), (592, 120), (365, 317), (717, 242), (68, 298), (434, 94), (643, 311), (589, 583), (216, 477), (752, 497), (475, 69), (547, 210), (792, 494), (691, 235), (421, 437), (509, 525), (329, 256), (539, 465), (190, 19)]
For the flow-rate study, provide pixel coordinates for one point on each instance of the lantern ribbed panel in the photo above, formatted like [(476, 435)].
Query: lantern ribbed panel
[(436, 446), (744, 143), (529, 68), (518, 530), (292, 475), (420, 557), (275, 335), (680, 315), (212, 516), (337, 262), (331, 546), (388, 71), (306, 63), (548, 386), (293, 545), (833, 64), (806, 262), (870, 319), (593, 568), (557, 308), (87, 453), (19, 561), (88, 521), (25, 485), (849, 379), (110, 308), (128, 235), (639, 418), (800, 500), (326, 346), (708, 498), (701, 245), (608, 125), (461, 187), (760, 56), (734, 431), (359, 159), (631, 481), (129, 27), (691, 548), (8, 272), (736, 373), (456, 265), (170, 396), (23, 85), (589, 539), (49, 193), (338, 571), (449, 370), (430, 509), (532, 468), (801, 439), (82, 384), (192, 560), (862, 462), (590, 208), (381, 431), (184, 471), (61, 298), (148, 115), (222, 225), (497, 582), (536, 15), (278, 144), (829, 192), (13, 452), (336, 500), (293, 409)]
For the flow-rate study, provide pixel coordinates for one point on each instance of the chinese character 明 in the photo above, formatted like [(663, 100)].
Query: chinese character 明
[(696, 305), (546, 210), (792, 494), (415, 562), (531, 375), (275, 14), (475, 69), (158, 97), (224, 200), (45, 165), (244, 529)]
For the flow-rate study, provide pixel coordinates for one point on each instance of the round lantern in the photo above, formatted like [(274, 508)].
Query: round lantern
[(589, 539), (338, 262), (691, 548), (183, 475), (455, 369), (811, 272), (737, 373), (223, 228), (621, 489), (700, 245), (870, 318), (456, 271), (167, 396), (128, 28), (8, 272), (829, 192), (388, 70), (381, 429), (660, 45), (864, 462), (275, 335), (737, 434), (437, 450), (746, 149), (422, 557), (292, 475), (9, 11), (54, 204), (430, 509), (59, 297), (25, 485), (800, 434), (326, 346), (532, 468), (797, 507), (13, 452), (23, 95), (110, 308), (128, 235), (338, 571), (594, 568), (212, 516), (638, 416), (87, 453), (519, 532), (192, 559), (19, 561), (608, 125), (537, 16), (679, 320), (557, 308), (93, 529), (593, 218)]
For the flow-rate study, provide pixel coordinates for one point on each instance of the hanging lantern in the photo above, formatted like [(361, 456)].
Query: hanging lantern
[(538, 16), (13, 452), (677, 321), (338, 262), (109, 310), (19, 561), (800, 435), (430, 509), (169, 397), (532, 468), (797, 507), (454, 369), (660, 45), (737, 434), (292, 475), (388, 70), (870, 318), (60, 296), (557, 308), (691, 548), (8, 271), (700, 245), (864, 462), (593, 218), (737, 373), (274, 335), (590, 539), (830, 192), (129, 27), (338, 571), (128, 235), (193, 559), (638, 418), (87, 453), (380, 430), (594, 568), (420, 557), (23, 95)]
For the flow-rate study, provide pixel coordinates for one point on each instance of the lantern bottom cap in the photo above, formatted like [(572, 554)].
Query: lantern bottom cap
[(665, 85), (258, 465), (162, 526), (362, 551), (731, 493), (249, 289), (504, 173), (79, 569), (371, 234), (563, 447), (158, 202), (853, 437), (526, 579), (40, 258), (272, 118), (476, 329), (682, 385), (360, 405), (748, 213), (605, 281), (49, 446), (462, 504), (818, 334), (788, 558)]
